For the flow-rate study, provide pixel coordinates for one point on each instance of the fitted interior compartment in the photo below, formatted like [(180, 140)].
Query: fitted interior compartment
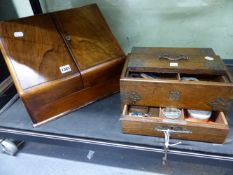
[(152, 75), (206, 77), (217, 117), (154, 111), (164, 117), (141, 110), (214, 131), (177, 76)]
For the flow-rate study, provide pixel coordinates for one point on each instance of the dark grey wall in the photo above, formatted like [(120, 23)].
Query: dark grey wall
[(7, 10)]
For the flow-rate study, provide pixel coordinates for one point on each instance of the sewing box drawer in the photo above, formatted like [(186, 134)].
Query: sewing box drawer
[(150, 121)]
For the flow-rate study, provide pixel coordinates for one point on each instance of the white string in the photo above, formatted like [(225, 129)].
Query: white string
[(167, 139)]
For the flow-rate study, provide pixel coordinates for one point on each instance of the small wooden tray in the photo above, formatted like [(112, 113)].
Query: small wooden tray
[(215, 130)]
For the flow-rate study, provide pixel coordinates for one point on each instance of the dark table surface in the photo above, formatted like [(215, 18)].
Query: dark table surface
[(100, 121)]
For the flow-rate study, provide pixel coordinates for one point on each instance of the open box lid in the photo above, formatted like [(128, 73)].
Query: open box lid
[(176, 60)]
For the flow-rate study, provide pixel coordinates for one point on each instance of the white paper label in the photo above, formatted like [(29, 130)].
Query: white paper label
[(65, 69), (18, 34), (209, 58), (173, 64)]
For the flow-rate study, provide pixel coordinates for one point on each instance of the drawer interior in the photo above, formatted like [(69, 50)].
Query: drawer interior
[(152, 75), (177, 76), (205, 77), (150, 113)]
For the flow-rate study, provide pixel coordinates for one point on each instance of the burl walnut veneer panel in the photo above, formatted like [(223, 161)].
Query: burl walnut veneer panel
[(61, 61)]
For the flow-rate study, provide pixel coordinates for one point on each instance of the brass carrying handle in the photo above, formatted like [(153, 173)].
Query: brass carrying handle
[(176, 58)]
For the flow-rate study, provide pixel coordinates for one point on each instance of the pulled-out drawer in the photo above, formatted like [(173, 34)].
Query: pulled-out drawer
[(151, 122)]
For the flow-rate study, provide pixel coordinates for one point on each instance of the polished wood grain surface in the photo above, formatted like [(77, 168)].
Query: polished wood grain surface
[(88, 36), (174, 51), (214, 131), (43, 113), (193, 95), (35, 59), (37, 48), (142, 59), (102, 72), (35, 64), (36, 29)]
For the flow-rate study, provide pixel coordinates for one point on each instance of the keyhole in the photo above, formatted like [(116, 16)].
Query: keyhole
[(68, 38)]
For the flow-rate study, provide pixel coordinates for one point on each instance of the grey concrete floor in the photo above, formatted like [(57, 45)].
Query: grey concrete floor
[(40, 159)]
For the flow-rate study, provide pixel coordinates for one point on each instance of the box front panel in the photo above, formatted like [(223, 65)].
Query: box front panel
[(56, 106), (175, 93), (217, 135)]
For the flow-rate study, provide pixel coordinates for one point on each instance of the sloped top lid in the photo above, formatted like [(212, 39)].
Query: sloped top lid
[(88, 36), (38, 48), (35, 51)]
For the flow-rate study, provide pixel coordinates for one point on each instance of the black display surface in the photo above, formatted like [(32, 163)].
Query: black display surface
[(98, 123)]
